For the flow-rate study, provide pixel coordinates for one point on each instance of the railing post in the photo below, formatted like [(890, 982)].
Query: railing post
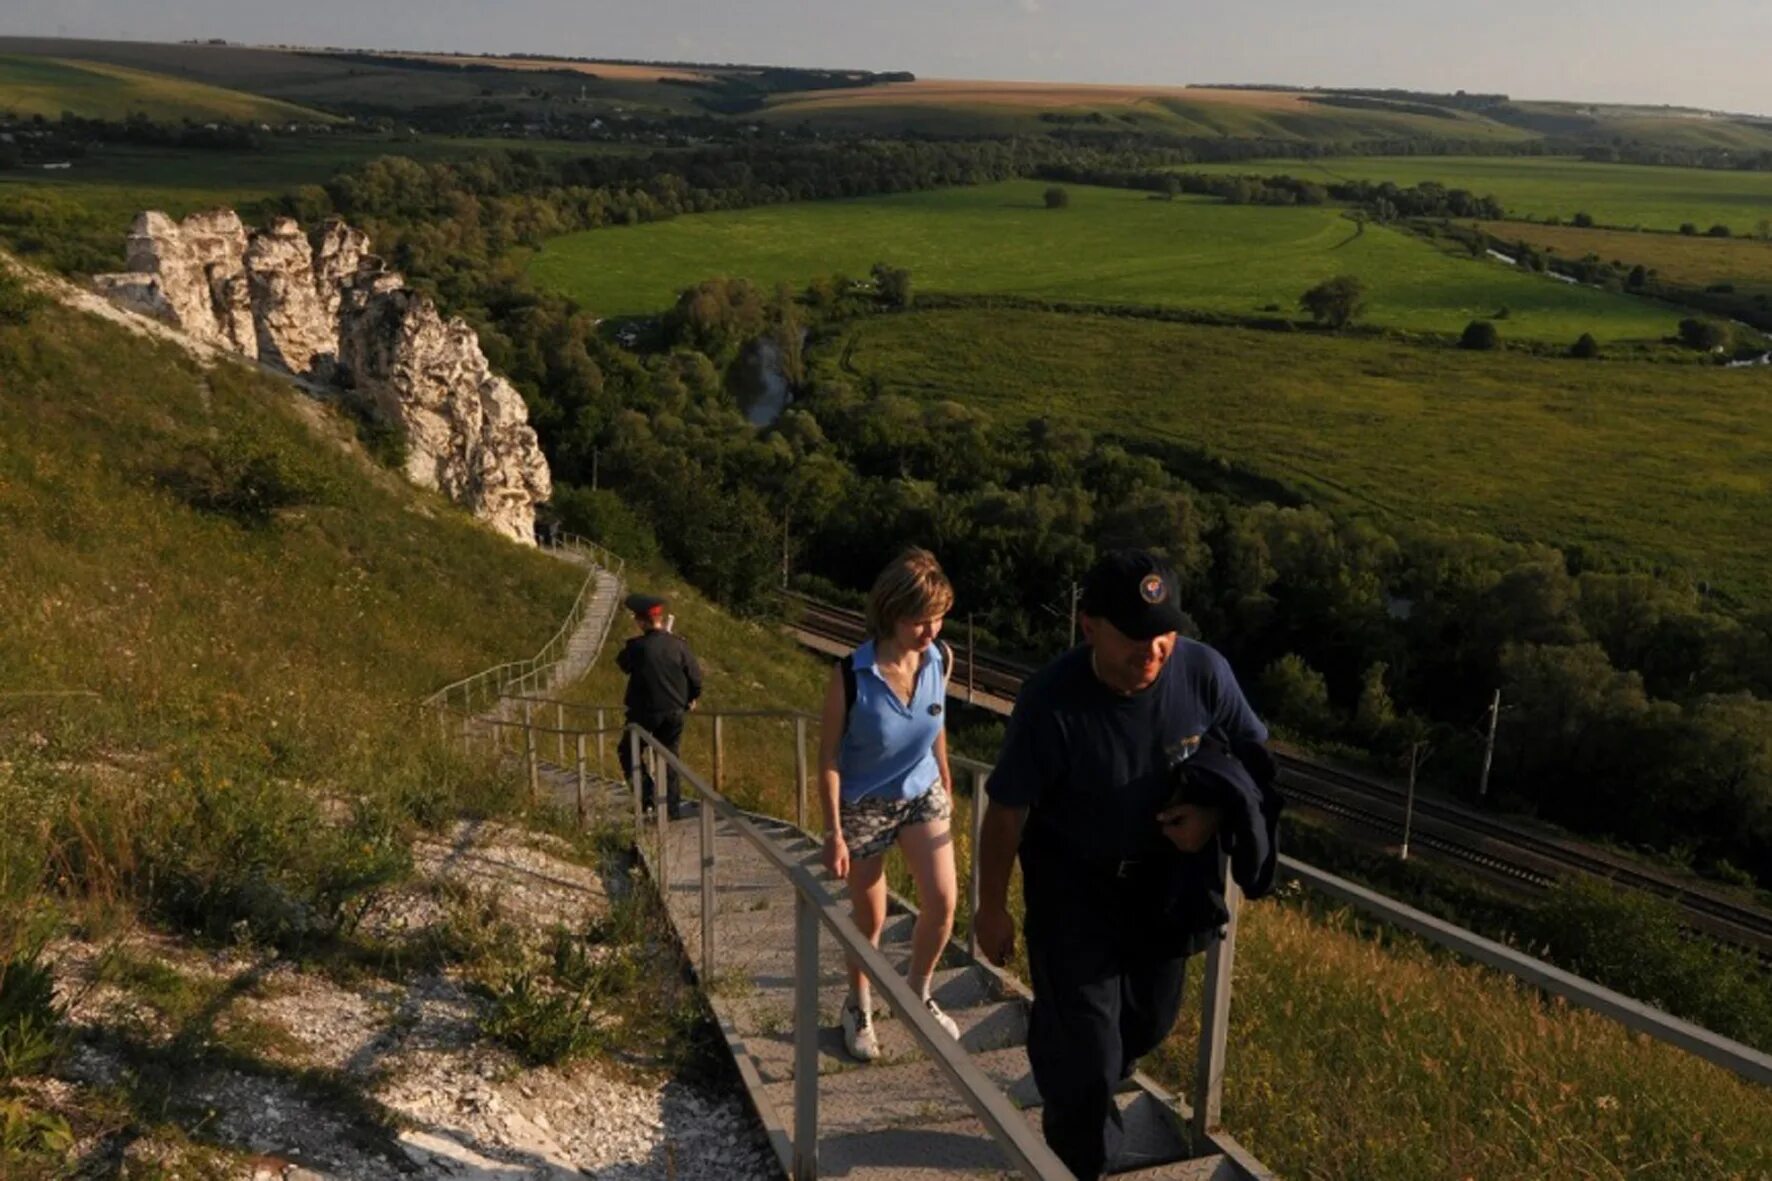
[(661, 812), (581, 780), (705, 810), (601, 764), (972, 889), (800, 771), (529, 754), (560, 729), (719, 754), (635, 771), (805, 1038), (1215, 1015)]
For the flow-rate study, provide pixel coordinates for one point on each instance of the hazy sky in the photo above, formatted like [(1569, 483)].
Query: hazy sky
[(1711, 53)]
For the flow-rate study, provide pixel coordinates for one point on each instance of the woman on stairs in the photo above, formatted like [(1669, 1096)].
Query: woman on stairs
[(884, 778)]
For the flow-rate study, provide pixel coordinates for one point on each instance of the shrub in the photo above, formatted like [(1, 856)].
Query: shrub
[(31, 1032), (1582, 220), (1707, 335), (17, 302), (1719, 231), (1585, 347), (245, 478), (604, 517), (1480, 334), (1688, 229), (1335, 302), (1057, 198)]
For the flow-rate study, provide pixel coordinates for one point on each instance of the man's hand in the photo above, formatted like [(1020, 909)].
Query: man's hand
[(1190, 827), (996, 933), (836, 856)]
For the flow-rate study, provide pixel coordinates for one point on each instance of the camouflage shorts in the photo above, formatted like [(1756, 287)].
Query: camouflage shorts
[(871, 824)]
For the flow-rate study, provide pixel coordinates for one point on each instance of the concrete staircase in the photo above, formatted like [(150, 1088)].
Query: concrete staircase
[(899, 1118)]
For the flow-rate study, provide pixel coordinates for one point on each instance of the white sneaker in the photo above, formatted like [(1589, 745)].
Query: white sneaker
[(941, 1018), (858, 1032)]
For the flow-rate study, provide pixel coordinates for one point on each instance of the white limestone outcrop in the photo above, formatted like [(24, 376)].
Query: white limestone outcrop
[(324, 308)]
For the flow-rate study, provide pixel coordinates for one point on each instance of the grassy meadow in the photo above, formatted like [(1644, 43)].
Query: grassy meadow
[(1647, 464), (1109, 245), (48, 86), (1354, 1054), (1619, 195)]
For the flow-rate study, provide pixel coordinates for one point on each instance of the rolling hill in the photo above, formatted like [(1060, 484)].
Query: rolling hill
[(50, 86)]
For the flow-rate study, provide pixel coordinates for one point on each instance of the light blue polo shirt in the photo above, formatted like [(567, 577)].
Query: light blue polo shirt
[(888, 749)]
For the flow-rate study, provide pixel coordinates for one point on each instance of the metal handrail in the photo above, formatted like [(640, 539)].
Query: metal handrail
[(1732, 1055), (814, 905), (490, 684)]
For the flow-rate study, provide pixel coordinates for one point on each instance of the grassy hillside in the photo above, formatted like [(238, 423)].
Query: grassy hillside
[(1109, 245), (1352, 1055), (1651, 464), (954, 106), (97, 90), (1627, 195), (216, 620)]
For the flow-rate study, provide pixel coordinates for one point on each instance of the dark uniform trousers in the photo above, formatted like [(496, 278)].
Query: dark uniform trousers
[(668, 729), (1105, 995)]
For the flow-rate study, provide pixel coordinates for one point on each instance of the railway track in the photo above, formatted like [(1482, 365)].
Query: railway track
[(1504, 850)]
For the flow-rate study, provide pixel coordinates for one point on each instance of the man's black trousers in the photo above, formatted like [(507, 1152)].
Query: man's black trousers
[(1102, 1000), (668, 729)]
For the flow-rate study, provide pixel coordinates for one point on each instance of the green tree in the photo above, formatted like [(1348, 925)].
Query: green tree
[(1585, 347), (1374, 712), (1295, 694), (1335, 302), (1172, 188), (1057, 198), (1707, 335)]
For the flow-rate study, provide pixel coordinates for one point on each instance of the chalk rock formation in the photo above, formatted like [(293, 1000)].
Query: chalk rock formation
[(324, 308)]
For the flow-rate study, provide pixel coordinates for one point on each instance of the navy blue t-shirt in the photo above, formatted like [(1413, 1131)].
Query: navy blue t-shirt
[(1092, 765)]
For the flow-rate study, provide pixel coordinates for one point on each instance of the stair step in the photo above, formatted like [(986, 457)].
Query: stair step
[(1155, 1149)]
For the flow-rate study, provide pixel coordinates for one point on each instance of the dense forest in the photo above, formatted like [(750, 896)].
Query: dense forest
[(1637, 705)]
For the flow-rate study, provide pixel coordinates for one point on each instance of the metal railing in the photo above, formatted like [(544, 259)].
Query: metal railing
[(484, 690), (815, 906), (1204, 1112)]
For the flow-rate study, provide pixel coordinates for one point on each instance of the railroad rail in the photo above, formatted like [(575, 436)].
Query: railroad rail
[(1506, 851)]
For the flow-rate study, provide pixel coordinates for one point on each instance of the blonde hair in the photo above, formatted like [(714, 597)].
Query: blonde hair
[(912, 587)]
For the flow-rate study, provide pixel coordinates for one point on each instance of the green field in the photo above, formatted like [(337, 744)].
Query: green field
[(1627, 195), (97, 90), (1110, 245), (1651, 464)]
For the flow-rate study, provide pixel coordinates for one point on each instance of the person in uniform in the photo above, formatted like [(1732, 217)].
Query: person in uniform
[(884, 780), (1128, 765), (664, 683)]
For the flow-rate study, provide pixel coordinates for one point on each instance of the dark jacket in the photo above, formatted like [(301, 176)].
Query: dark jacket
[(663, 676)]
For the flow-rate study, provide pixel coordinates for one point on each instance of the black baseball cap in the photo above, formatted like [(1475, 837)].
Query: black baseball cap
[(1135, 592)]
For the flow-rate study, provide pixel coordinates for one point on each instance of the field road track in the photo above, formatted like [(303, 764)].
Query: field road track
[(1501, 849)]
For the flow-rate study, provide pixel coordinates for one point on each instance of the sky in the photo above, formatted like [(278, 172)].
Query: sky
[(1705, 53)]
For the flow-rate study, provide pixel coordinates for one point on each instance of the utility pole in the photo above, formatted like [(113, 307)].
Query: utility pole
[(1409, 806), (971, 662), (1076, 593), (1489, 746), (594, 452), (786, 519)]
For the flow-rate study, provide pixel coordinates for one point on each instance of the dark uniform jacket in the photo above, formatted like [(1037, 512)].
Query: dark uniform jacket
[(663, 677), (1094, 768)]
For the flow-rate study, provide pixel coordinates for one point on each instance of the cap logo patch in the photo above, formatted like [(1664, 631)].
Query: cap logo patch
[(1153, 589)]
